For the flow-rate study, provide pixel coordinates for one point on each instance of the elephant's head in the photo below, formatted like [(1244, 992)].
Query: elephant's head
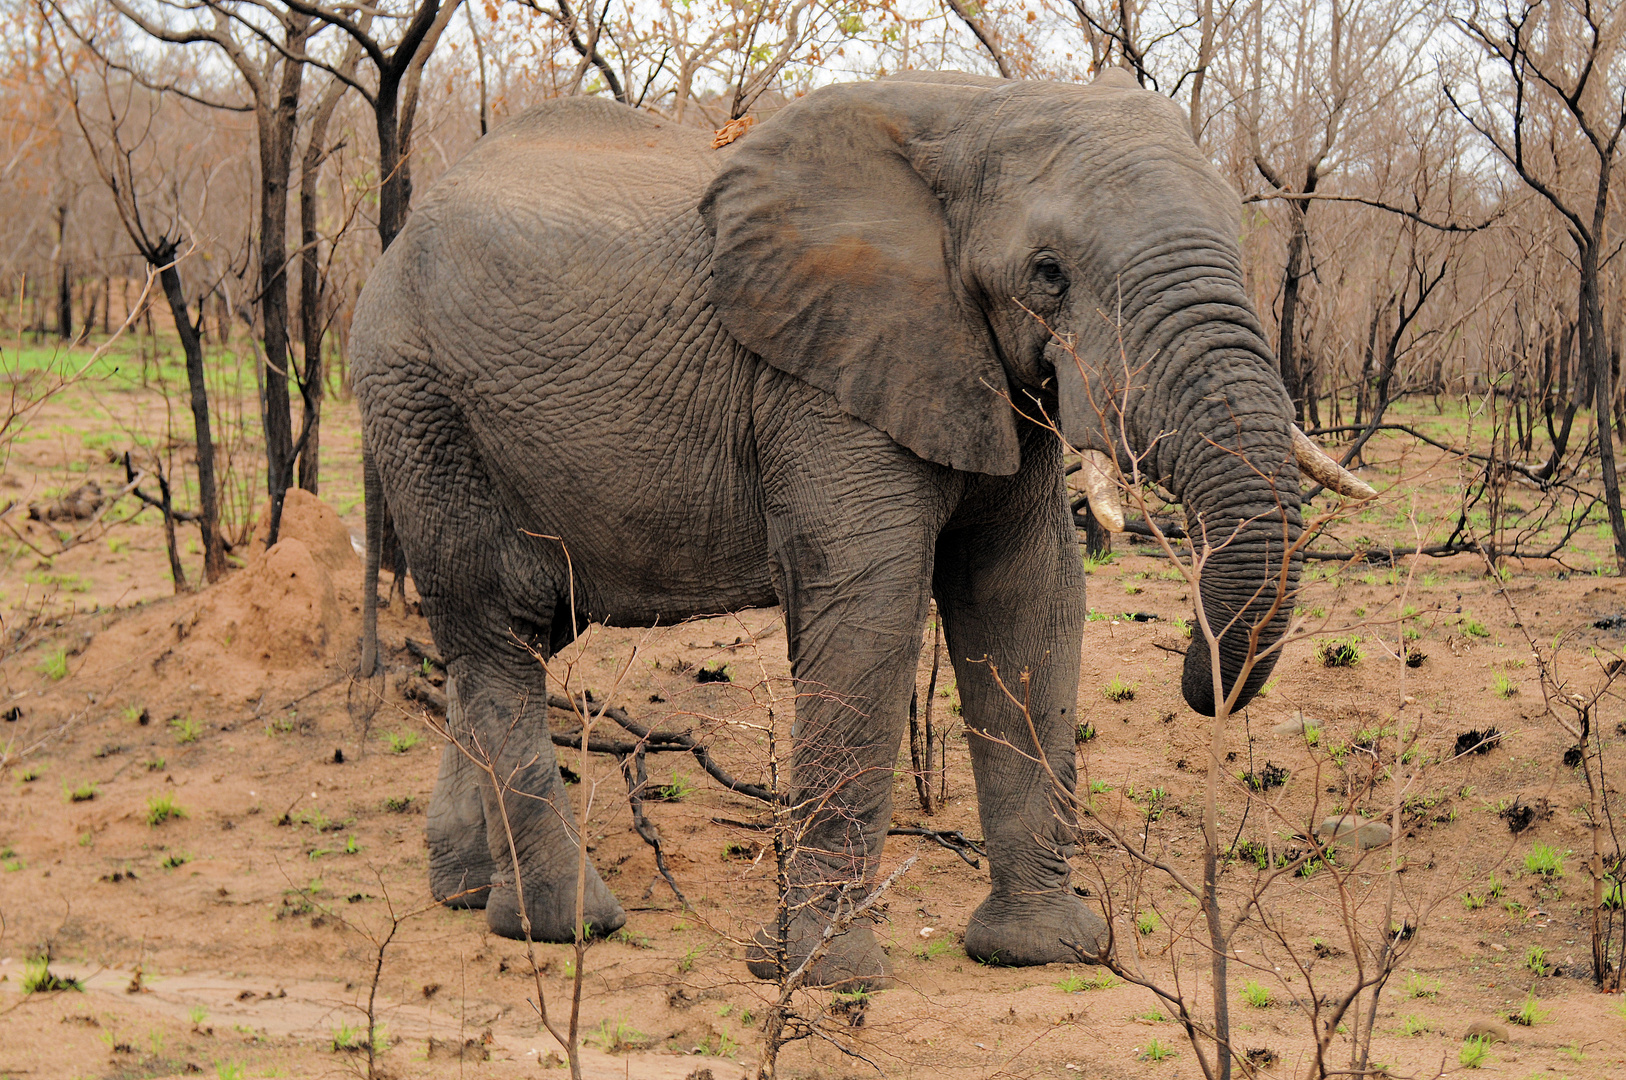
[(917, 247)]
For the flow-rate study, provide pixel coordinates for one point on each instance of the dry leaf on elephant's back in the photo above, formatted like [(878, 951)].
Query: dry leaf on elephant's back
[(731, 131)]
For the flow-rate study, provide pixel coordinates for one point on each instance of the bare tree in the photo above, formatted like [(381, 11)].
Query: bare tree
[(161, 247), (312, 283), (1558, 59)]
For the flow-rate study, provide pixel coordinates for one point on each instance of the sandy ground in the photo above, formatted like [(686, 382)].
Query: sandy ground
[(254, 918)]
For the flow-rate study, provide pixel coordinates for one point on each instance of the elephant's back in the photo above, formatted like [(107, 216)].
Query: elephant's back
[(553, 289)]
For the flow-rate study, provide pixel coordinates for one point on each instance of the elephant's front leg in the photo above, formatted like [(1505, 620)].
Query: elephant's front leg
[(1011, 594), (851, 525), (854, 653)]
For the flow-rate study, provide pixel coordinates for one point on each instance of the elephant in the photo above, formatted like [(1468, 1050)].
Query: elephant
[(611, 373)]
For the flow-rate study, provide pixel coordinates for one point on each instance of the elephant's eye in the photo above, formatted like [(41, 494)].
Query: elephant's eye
[(1051, 277)]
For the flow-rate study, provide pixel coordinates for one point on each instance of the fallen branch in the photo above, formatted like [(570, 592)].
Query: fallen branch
[(953, 839), (649, 740)]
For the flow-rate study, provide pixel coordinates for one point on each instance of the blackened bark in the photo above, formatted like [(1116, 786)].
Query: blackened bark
[(277, 123), (214, 555), (1286, 342)]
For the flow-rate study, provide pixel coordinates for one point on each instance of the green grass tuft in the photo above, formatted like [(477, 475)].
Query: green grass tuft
[(39, 979), (401, 741), (55, 666), (1545, 861), (1118, 690), (162, 808), (1530, 1014), (1339, 652), (1474, 1053)]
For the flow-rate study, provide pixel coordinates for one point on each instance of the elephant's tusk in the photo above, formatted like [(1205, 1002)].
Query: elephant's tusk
[(1101, 489), (1314, 463)]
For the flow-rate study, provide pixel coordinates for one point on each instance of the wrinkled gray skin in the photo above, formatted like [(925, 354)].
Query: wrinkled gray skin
[(767, 374)]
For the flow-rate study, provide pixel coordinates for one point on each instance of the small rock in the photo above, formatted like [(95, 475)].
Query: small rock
[(1488, 1030), (1297, 725), (1358, 830)]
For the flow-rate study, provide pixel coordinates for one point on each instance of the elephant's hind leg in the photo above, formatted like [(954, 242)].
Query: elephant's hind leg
[(489, 591), (460, 866)]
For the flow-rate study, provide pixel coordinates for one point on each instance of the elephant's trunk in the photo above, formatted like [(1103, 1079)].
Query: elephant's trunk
[(1210, 414)]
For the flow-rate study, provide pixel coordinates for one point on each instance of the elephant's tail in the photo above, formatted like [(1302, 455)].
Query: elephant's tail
[(373, 494)]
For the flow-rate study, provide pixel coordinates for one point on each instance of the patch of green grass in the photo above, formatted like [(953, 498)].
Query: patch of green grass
[(1530, 1013), (1414, 1025), (1573, 1052), (38, 978), (1545, 861), (55, 665), (934, 948), (1473, 628), (1118, 690), (1256, 995), (175, 860), (1474, 1053), (1494, 887), (1152, 1016), (401, 741), (619, 1036), (398, 804), (1094, 562), (1472, 901), (154, 763), (30, 774), (186, 729), (678, 790), (281, 725), (1156, 1051), (1416, 986), (1535, 960), (228, 1070), (1339, 652), (1505, 687), (352, 1040), (197, 1014), (1077, 982), (720, 1044), (1147, 923), (162, 808), (1184, 626), (1084, 733), (83, 793)]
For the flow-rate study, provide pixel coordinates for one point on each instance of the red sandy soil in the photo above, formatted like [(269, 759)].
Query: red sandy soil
[(254, 939)]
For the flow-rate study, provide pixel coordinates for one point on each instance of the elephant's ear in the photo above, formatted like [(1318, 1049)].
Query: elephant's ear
[(833, 263)]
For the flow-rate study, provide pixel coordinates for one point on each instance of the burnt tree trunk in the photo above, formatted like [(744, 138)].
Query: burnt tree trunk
[(214, 554), (276, 127)]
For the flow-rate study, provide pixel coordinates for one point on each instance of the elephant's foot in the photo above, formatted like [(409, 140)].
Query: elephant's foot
[(852, 961), (1019, 930), (460, 866), (552, 907), (460, 883)]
